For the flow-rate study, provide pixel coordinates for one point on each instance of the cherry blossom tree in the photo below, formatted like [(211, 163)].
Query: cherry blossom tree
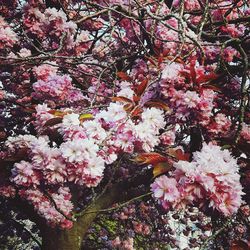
[(118, 117)]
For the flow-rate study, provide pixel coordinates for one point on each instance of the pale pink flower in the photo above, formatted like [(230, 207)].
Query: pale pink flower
[(171, 71), (24, 52), (126, 92), (168, 138), (116, 242), (154, 118), (165, 189), (46, 209), (8, 191), (245, 132), (57, 88), (71, 120), (215, 173), (24, 174), (43, 71), (78, 150), (220, 125), (114, 113), (7, 36), (94, 130)]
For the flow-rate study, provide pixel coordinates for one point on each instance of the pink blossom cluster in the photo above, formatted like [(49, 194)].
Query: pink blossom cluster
[(213, 53), (111, 128), (165, 34), (187, 104), (127, 244), (99, 90), (43, 71), (189, 5), (211, 178), (56, 212), (87, 147), (233, 30), (218, 13), (222, 7), (115, 132), (168, 138), (7, 191), (82, 42), (141, 228), (143, 135), (51, 22), (220, 125), (42, 116), (7, 36), (23, 174), (245, 132), (74, 161), (24, 141), (24, 52), (131, 28), (183, 93), (57, 88), (84, 166)]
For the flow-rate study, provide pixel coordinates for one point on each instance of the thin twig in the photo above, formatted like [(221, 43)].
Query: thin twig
[(118, 206), (213, 236)]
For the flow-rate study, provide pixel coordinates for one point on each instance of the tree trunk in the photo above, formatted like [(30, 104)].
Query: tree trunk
[(61, 239), (56, 239)]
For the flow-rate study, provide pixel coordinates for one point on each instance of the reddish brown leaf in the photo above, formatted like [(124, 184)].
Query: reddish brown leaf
[(136, 112), (206, 78), (136, 98), (161, 168), (150, 158), (53, 121), (123, 76), (240, 245), (3, 135), (157, 104), (141, 87), (178, 154), (19, 155), (121, 99), (128, 107)]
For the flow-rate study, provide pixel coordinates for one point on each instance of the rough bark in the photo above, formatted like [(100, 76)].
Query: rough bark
[(61, 239), (56, 239)]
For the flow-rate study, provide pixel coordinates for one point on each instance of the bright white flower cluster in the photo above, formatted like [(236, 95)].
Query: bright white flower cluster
[(84, 164), (115, 113), (148, 130)]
